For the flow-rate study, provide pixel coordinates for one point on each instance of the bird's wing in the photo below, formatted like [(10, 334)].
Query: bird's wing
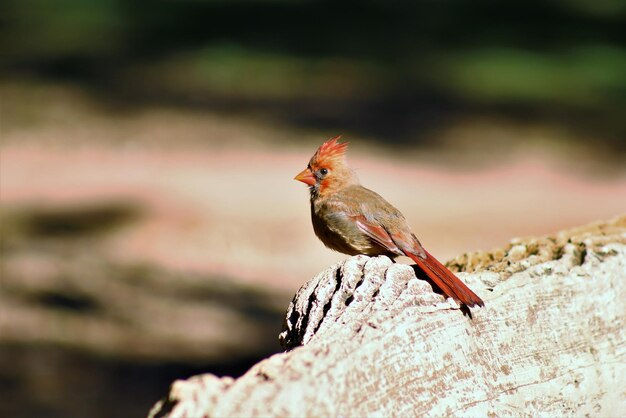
[(376, 233), (376, 218), (405, 243), (386, 226)]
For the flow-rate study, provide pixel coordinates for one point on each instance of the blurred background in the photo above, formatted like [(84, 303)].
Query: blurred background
[(150, 225)]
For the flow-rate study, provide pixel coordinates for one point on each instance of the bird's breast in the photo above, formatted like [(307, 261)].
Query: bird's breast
[(339, 232)]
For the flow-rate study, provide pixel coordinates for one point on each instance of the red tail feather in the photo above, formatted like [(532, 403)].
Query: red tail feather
[(451, 285)]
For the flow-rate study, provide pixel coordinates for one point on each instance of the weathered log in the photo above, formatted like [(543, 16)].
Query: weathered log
[(367, 337)]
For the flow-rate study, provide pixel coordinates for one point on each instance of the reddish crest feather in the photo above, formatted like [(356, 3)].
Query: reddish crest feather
[(330, 151)]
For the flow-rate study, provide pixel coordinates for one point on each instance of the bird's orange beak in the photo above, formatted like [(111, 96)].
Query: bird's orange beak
[(305, 176)]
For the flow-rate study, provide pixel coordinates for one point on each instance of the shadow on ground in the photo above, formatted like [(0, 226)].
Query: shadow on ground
[(53, 381), (82, 335)]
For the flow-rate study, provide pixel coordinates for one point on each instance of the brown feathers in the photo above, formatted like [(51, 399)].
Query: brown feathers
[(351, 219)]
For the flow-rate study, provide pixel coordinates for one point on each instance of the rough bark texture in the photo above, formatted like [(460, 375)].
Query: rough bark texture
[(367, 338)]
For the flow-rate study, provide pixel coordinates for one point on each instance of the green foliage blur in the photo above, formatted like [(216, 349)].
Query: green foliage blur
[(383, 67)]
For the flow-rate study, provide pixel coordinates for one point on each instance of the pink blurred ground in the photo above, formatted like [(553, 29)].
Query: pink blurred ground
[(240, 213), (218, 194)]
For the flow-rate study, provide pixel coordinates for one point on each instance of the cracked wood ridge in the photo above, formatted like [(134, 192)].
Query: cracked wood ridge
[(366, 337)]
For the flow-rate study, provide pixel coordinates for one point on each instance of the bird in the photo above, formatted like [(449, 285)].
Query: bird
[(352, 219)]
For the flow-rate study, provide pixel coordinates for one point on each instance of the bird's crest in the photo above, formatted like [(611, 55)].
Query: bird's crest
[(330, 151)]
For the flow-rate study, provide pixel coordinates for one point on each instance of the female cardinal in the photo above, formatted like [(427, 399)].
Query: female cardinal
[(351, 219)]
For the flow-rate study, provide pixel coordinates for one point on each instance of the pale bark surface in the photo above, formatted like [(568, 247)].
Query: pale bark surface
[(367, 338)]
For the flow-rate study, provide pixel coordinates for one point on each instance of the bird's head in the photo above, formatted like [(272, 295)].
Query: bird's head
[(328, 170)]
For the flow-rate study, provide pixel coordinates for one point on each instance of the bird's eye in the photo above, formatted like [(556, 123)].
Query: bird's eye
[(324, 171)]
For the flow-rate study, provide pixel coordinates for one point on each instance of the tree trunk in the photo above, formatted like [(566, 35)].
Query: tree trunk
[(366, 337)]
